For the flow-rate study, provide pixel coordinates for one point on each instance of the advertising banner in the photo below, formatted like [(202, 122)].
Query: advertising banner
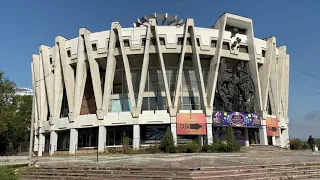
[(221, 134), (236, 119), (191, 124), (272, 127)]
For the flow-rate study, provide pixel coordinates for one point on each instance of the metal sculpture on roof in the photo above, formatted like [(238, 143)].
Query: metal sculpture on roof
[(162, 20)]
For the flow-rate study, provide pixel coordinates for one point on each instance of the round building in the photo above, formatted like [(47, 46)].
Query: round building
[(101, 87)]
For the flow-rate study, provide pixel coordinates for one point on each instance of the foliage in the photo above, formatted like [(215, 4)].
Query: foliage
[(167, 142), (230, 135), (126, 144), (191, 147), (11, 172), (15, 116), (297, 144)]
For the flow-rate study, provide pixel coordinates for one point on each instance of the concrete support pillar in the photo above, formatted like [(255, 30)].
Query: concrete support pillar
[(136, 136), (209, 134), (263, 135), (41, 144), (53, 142), (273, 140), (102, 138), (36, 143), (73, 141), (278, 139), (246, 136), (174, 133)]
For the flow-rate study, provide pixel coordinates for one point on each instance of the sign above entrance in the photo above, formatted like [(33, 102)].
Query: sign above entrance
[(236, 119), (272, 127), (191, 124)]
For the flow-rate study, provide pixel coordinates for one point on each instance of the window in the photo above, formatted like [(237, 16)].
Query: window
[(225, 46), (213, 43), (180, 41), (190, 103), (115, 135), (263, 53), (69, 53), (198, 41), (162, 41), (126, 43), (243, 49), (94, 47), (143, 43)]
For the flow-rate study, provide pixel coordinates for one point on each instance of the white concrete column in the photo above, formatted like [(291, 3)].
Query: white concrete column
[(136, 136), (53, 142), (174, 133), (273, 140), (102, 138), (209, 134), (278, 139), (35, 143), (41, 144), (246, 136), (73, 141), (263, 135)]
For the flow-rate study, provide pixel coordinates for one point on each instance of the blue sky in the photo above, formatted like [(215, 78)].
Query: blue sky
[(27, 24)]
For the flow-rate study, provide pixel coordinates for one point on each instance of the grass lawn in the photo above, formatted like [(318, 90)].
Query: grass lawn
[(13, 172)]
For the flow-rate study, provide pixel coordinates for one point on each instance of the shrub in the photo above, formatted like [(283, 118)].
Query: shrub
[(297, 144), (193, 147), (230, 136), (126, 141), (207, 148), (152, 149), (167, 142)]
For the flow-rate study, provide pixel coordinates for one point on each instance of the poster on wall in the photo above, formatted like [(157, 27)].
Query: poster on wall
[(191, 124), (272, 127), (221, 134), (236, 119)]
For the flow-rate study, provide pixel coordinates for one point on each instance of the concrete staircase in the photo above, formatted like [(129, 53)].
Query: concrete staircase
[(276, 172), (253, 148)]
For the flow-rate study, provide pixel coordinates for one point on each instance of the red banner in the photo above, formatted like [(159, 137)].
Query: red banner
[(191, 124), (272, 127)]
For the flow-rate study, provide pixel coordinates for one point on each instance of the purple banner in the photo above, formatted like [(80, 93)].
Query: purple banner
[(236, 119)]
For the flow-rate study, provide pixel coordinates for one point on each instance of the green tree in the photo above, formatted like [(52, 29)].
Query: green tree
[(15, 116), (230, 136), (167, 142), (7, 108), (19, 128)]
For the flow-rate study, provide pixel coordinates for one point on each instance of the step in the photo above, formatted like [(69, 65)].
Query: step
[(116, 168), (107, 171), (93, 175), (256, 175), (260, 166), (234, 171), (104, 172)]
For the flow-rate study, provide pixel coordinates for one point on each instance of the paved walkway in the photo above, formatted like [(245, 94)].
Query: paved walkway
[(185, 160)]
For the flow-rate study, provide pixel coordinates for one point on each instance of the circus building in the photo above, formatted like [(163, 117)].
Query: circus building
[(94, 90)]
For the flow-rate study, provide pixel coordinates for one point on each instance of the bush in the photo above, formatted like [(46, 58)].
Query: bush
[(230, 135), (126, 141), (191, 147), (167, 142), (207, 148), (297, 144), (152, 149)]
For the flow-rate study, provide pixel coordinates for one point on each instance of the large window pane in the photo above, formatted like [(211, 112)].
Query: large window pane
[(153, 103)]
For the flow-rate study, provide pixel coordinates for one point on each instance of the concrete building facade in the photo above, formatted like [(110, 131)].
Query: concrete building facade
[(100, 87)]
